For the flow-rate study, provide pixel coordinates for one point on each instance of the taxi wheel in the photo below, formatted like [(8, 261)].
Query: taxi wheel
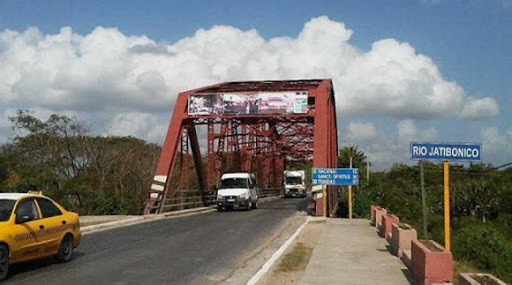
[(66, 249), (4, 261)]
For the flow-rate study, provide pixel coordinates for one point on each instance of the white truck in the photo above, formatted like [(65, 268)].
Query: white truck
[(238, 189), (295, 183)]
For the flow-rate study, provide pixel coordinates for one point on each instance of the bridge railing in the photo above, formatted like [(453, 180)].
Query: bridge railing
[(187, 199), (269, 192)]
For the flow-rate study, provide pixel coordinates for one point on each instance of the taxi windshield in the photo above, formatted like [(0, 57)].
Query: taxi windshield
[(6, 209)]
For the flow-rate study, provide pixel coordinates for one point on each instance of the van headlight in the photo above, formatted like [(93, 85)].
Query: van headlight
[(244, 195), (219, 197)]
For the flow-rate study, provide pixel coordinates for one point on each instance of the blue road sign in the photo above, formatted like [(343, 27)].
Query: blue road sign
[(446, 151), (335, 176)]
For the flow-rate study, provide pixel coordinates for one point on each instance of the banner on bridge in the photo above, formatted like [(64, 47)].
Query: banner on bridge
[(248, 103)]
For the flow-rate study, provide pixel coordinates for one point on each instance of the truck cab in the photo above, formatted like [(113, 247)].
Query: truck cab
[(238, 189), (295, 183)]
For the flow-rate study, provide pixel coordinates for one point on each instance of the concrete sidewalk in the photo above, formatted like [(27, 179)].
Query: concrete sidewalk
[(350, 252)]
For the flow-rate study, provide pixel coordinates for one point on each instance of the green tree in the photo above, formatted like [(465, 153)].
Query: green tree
[(478, 198), (89, 174), (347, 152)]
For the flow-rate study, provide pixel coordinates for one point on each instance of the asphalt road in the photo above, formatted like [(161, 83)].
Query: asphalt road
[(199, 249)]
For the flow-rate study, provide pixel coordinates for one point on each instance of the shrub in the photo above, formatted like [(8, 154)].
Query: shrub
[(486, 247), (362, 207)]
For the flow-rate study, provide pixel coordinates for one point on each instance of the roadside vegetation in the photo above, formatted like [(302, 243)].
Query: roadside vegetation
[(480, 205), (296, 259), (92, 175)]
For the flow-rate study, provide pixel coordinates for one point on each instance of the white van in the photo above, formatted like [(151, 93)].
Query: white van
[(238, 189)]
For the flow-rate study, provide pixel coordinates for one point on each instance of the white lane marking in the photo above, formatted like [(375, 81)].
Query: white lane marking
[(264, 269)]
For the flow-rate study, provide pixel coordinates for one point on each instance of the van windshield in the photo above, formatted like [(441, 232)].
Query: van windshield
[(6, 209), (234, 183), (293, 180)]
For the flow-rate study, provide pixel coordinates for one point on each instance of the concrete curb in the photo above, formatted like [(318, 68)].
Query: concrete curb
[(131, 221)]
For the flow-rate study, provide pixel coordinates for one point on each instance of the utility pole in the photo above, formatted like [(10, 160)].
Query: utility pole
[(367, 173), (423, 200)]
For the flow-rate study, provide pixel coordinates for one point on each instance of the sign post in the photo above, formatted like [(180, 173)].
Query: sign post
[(446, 172), (324, 197), (445, 152), (335, 176)]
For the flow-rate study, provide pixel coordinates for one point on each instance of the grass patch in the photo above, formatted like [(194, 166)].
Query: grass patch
[(296, 259)]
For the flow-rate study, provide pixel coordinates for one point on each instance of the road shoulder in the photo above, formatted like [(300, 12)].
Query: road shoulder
[(257, 258), (290, 267)]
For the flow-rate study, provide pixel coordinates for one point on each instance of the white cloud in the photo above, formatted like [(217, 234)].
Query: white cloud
[(143, 125), (357, 131), (392, 80), (407, 132), (496, 145), (107, 70), (479, 108), (388, 148), (136, 79)]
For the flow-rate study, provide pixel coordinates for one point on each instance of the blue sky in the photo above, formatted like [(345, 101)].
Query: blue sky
[(469, 41)]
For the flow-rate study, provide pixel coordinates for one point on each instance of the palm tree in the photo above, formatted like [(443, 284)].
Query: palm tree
[(346, 152)]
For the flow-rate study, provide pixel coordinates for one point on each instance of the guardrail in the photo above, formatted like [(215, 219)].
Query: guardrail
[(271, 192), (188, 199)]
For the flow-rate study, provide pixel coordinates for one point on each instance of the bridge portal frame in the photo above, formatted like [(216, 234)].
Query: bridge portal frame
[(271, 139)]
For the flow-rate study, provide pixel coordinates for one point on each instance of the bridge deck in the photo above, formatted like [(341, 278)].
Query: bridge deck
[(350, 252)]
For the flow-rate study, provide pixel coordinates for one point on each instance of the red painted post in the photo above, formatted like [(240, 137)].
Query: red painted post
[(212, 180), (184, 160)]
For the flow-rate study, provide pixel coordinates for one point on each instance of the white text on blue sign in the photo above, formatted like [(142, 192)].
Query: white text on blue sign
[(335, 176), (445, 151)]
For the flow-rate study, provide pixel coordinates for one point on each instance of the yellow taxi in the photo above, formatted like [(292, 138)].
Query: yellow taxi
[(33, 226)]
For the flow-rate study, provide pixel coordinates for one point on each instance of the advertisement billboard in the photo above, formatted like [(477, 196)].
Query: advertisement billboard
[(248, 103)]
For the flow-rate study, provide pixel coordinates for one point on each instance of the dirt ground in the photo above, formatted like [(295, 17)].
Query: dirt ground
[(291, 265)]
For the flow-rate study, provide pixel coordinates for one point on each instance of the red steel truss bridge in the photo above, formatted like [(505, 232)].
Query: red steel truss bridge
[(200, 146)]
